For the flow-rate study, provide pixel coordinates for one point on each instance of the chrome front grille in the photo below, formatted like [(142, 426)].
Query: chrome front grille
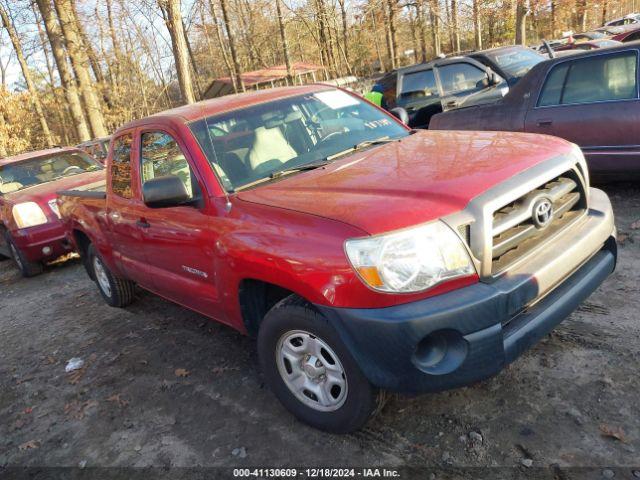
[(521, 225)]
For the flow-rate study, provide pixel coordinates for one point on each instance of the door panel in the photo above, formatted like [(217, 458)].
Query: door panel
[(594, 103), (179, 241)]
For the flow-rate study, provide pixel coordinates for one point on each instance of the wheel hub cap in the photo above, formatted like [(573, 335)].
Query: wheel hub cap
[(311, 370)]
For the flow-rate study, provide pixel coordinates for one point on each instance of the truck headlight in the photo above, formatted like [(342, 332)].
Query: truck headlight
[(28, 214), (410, 260)]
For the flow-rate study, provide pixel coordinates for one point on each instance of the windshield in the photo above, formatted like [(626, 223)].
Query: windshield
[(516, 63), (254, 143), (35, 171)]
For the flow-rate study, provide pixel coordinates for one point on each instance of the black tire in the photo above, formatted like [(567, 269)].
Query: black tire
[(121, 292), (27, 268), (295, 314)]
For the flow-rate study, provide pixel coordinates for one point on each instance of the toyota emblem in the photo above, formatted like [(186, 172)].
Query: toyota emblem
[(542, 213)]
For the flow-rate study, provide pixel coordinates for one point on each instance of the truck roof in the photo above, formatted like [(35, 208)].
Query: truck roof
[(35, 154), (205, 108)]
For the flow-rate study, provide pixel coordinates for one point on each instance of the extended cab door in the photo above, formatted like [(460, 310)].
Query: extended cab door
[(180, 240), (125, 211), (593, 101)]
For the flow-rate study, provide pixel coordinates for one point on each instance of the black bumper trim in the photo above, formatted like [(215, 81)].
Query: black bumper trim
[(383, 341)]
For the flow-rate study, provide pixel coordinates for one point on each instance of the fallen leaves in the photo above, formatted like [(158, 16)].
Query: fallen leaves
[(75, 376), (181, 372), (613, 432), (115, 398), (30, 445), (78, 410), (220, 370)]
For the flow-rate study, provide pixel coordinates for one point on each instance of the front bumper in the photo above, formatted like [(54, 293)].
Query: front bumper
[(33, 242), (467, 335)]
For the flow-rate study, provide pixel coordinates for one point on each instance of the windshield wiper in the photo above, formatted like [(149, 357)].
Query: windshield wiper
[(364, 144), (301, 168)]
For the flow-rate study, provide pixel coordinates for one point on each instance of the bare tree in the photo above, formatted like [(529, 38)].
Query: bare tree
[(477, 25), (66, 78), (521, 22), (33, 92), (455, 29), (239, 84), (434, 8), (79, 62), (285, 45), (173, 19)]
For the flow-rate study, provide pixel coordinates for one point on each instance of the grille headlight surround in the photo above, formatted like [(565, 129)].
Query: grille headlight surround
[(28, 214), (410, 260)]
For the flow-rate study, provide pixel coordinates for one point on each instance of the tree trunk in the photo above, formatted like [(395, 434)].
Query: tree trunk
[(605, 11), (239, 84), (3, 148), (455, 29), (88, 47), (66, 78), (79, 62), (581, 10), (421, 30), (173, 20), (390, 17), (345, 33), (376, 40), (434, 8), (192, 61), (285, 45), (221, 44), (553, 18), (521, 22), (35, 97), (477, 25)]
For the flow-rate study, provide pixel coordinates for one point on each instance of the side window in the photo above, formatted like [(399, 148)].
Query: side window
[(633, 37), (160, 155), (121, 166), (552, 89), (601, 78), (461, 77)]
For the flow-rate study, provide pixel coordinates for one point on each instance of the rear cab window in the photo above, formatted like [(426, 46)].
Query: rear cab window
[(601, 78), (121, 166)]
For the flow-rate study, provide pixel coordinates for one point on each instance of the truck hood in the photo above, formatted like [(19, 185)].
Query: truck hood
[(426, 176), (47, 191)]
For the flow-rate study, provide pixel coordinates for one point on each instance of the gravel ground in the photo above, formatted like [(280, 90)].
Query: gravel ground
[(163, 386)]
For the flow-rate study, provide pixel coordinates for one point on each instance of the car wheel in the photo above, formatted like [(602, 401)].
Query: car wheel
[(27, 268), (310, 369), (117, 292)]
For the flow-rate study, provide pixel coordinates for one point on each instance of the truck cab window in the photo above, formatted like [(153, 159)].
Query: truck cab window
[(121, 166), (160, 155)]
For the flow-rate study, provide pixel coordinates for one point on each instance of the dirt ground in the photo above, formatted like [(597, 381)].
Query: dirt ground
[(164, 387)]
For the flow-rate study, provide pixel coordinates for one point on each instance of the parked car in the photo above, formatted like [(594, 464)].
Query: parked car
[(629, 35), (362, 255), (590, 99), (427, 88), (632, 18), (30, 229), (97, 148), (589, 45)]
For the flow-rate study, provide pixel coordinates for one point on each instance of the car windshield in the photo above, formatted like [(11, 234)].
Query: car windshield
[(516, 63), (35, 171), (267, 140)]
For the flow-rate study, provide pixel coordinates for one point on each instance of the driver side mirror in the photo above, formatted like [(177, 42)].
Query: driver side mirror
[(493, 79), (167, 191), (401, 114)]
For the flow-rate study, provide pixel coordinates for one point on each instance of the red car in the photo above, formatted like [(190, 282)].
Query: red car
[(362, 255), (30, 230), (629, 35)]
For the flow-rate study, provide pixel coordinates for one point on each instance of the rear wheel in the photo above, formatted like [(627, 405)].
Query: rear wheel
[(311, 371), (27, 268), (116, 291)]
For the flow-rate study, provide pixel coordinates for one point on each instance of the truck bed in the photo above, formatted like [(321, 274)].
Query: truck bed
[(85, 205)]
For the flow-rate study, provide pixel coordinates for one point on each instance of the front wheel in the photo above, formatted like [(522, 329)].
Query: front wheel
[(27, 268), (117, 292), (310, 369)]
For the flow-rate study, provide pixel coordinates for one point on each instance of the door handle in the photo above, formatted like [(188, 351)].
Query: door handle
[(142, 223), (545, 122)]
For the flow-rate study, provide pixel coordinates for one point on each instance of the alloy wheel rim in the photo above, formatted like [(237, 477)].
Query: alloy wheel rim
[(101, 276), (311, 370)]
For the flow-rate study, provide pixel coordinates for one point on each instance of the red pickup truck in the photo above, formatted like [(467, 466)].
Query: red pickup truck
[(364, 256), (30, 229)]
